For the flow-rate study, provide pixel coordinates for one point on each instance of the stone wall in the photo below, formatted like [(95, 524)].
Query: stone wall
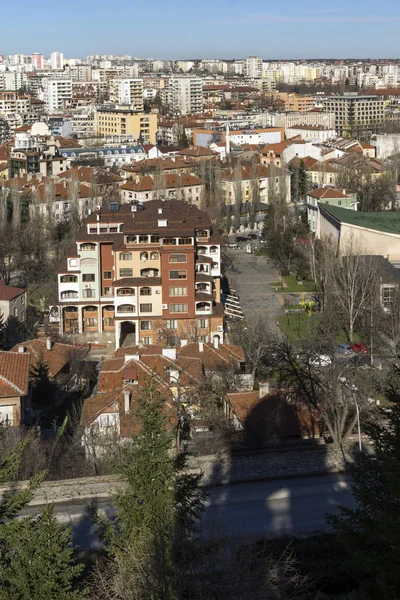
[(217, 470)]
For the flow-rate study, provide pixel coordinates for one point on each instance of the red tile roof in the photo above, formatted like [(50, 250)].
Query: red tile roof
[(14, 374), (9, 292), (56, 358)]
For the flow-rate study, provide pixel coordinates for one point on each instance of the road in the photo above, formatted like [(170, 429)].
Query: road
[(250, 276), (285, 506)]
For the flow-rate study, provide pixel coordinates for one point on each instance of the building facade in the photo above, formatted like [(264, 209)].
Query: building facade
[(185, 95), (151, 271), (127, 91), (355, 114), (122, 121)]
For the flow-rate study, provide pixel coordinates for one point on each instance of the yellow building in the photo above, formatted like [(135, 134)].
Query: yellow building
[(124, 121)]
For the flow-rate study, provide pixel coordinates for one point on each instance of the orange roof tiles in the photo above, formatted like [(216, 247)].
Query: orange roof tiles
[(14, 374)]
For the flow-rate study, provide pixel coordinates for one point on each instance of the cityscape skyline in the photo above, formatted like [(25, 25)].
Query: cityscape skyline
[(232, 29)]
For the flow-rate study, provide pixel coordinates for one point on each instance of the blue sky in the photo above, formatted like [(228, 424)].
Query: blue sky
[(205, 28)]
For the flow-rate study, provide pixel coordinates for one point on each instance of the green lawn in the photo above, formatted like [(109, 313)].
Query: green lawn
[(300, 325), (292, 285)]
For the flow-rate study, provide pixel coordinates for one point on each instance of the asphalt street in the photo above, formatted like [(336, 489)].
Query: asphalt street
[(285, 506)]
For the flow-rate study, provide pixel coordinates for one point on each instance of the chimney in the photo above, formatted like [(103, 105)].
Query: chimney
[(169, 353), (49, 343), (201, 346), (263, 389), (21, 349), (216, 341), (98, 217), (127, 402), (160, 211), (183, 343)]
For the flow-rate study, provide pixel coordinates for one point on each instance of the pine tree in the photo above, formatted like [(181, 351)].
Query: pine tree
[(156, 513), (370, 533), (43, 388), (36, 558)]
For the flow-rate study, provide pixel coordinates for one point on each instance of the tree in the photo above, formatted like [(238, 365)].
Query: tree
[(349, 282), (370, 533), (156, 513), (43, 389), (254, 338), (332, 390), (37, 561)]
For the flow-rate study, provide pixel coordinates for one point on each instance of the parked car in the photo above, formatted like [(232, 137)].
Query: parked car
[(253, 236), (323, 360), (240, 238), (344, 349), (359, 348)]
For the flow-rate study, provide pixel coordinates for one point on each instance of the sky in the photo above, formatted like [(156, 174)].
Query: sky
[(181, 29)]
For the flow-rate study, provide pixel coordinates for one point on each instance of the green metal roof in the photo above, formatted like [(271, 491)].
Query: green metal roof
[(387, 221)]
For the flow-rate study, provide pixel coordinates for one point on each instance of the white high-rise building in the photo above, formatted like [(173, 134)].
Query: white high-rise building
[(56, 91), (127, 90), (253, 67), (185, 95), (57, 60)]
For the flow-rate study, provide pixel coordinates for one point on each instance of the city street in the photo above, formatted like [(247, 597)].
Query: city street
[(284, 506), (249, 276)]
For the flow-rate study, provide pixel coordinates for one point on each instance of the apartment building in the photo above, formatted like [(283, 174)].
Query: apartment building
[(170, 185), (37, 61), (14, 102), (254, 184), (355, 114), (57, 61), (312, 117), (185, 95), (123, 121), (56, 93), (151, 271), (127, 91), (298, 103), (253, 67)]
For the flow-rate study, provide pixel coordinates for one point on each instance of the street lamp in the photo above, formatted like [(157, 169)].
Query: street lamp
[(354, 389)]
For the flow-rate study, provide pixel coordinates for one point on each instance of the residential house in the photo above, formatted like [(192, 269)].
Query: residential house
[(15, 400), (329, 196), (254, 183), (13, 302), (171, 185)]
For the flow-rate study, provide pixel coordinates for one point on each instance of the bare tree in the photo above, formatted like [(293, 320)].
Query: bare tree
[(238, 194), (349, 281), (255, 339)]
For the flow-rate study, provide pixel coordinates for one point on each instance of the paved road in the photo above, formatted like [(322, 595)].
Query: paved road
[(285, 506), (249, 276)]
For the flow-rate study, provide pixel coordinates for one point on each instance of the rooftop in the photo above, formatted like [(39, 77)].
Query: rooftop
[(387, 221)]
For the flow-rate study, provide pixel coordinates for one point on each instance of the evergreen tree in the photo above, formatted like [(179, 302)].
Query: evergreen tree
[(36, 558), (370, 533), (43, 389), (156, 513)]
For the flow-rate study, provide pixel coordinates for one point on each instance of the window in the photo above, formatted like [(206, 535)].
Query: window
[(169, 241), (214, 250), (90, 322), (107, 291), (154, 239), (185, 241), (69, 279), (202, 234), (178, 274), (154, 256), (202, 323), (131, 239), (126, 308), (88, 277), (88, 247), (125, 256), (178, 291), (202, 287), (88, 262), (108, 321), (69, 294), (172, 324), (146, 307), (149, 273), (146, 341), (88, 293), (144, 256), (126, 292), (145, 291), (178, 308), (145, 325), (73, 262), (143, 239), (177, 258), (125, 272), (107, 275)]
